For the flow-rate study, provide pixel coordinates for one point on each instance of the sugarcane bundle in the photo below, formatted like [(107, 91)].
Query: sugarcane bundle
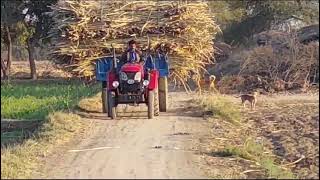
[(85, 30)]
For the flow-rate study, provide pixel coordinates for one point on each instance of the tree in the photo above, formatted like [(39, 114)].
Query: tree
[(10, 15), (24, 33), (28, 22), (248, 17), (38, 24), (224, 13)]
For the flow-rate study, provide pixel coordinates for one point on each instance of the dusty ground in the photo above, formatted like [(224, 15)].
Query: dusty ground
[(183, 144), (45, 69), (136, 147), (290, 127), (287, 125)]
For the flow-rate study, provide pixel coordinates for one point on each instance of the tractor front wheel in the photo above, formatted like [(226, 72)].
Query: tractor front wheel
[(111, 106)]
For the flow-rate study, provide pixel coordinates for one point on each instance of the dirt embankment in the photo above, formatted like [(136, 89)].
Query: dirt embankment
[(290, 127), (280, 136), (45, 70)]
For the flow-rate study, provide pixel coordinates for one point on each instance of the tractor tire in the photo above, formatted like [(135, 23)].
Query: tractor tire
[(111, 106), (163, 93), (104, 99), (156, 102), (151, 104)]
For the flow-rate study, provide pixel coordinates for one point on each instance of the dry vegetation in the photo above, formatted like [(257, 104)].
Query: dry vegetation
[(45, 70), (233, 151), (92, 104), (20, 161), (185, 29), (282, 64), (278, 140), (294, 66), (290, 127)]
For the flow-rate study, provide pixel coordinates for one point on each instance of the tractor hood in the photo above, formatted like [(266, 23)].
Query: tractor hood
[(130, 67)]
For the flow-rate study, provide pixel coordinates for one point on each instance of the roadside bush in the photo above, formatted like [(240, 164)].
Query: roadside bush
[(276, 67), (295, 64)]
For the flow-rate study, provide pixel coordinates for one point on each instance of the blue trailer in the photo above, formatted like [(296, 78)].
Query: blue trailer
[(157, 62)]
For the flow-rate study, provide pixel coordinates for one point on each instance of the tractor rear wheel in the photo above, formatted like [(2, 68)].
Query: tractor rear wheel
[(156, 102), (104, 98), (151, 104), (163, 93), (111, 106)]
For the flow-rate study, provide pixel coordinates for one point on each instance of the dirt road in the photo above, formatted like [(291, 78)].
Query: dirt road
[(136, 147)]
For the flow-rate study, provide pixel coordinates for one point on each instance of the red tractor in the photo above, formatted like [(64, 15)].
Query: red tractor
[(134, 84)]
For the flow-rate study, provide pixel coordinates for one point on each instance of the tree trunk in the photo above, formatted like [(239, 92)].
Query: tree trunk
[(3, 70), (33, 72), (9, 58)]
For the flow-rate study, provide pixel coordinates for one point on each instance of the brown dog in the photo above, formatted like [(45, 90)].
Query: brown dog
[(252, 99), (208, 84), (212, 81)]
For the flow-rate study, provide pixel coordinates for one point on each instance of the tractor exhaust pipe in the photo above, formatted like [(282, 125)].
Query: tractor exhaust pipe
[(114, 57)]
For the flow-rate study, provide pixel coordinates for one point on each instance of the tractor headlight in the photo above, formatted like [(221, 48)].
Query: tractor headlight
[(123, 76), (115, 84), (137, 77), (145, 82)]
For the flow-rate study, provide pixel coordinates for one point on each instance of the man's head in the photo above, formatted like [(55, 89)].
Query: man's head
[(132, 44)]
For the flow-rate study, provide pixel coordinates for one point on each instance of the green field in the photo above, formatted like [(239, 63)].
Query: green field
[(39, 100), (35, 100)]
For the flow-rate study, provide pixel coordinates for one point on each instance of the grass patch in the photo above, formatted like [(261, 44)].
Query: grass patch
[(34, 100), (20, 161), (92, 104), (44, 101), (221, 107), (13, 136), (256, 152)]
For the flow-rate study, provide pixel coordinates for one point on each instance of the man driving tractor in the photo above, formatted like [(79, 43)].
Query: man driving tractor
[(132, 54), (134, 80)]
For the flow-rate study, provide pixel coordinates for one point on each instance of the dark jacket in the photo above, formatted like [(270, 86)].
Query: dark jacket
[(126, 56)]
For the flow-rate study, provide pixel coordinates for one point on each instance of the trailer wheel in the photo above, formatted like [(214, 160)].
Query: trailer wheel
[(156, 102), (151, 104), (111, 106), (163, 93)]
